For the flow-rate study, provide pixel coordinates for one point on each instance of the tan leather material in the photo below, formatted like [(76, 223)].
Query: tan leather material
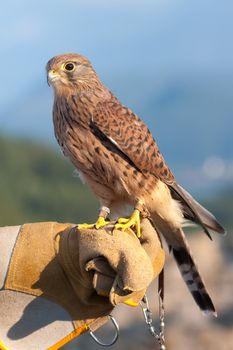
[(122, 251), (87, 272), (116, 257), (8, 236), (36, 269), (31, 323), (151, 243)]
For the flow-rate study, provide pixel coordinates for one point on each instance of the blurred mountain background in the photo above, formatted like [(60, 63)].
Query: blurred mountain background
[(170, 62)]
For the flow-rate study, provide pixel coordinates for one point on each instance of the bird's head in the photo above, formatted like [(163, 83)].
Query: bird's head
[(70, 71)]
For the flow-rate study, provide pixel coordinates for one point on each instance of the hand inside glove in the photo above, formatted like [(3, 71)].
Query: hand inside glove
[(86, 272)]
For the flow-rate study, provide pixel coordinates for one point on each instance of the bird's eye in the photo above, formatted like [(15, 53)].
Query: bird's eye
[(69, 67)]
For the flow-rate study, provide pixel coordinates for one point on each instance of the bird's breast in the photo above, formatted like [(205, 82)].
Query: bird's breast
[(97, 163)]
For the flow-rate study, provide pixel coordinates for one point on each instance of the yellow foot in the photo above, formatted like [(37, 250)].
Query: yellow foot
[(133, 221), (101, 222)]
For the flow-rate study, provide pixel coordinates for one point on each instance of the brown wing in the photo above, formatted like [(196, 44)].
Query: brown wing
[(121, 130), (129, 135)]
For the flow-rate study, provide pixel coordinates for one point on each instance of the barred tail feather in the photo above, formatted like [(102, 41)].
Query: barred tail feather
[(193, 279), (167, 218)]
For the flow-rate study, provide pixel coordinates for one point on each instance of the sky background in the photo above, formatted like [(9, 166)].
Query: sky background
[(168, 60)]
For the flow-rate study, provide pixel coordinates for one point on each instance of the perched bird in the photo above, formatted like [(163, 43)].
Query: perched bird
[(116, 155)]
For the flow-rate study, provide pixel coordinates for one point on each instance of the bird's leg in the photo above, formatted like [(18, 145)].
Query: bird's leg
[(133, 221), (103, 214), (101, 222)]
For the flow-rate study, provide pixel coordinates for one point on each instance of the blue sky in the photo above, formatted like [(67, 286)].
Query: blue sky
[(171, 61), (120, 37)]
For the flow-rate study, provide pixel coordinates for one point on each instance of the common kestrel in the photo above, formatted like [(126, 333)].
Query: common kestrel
[(118, 158)]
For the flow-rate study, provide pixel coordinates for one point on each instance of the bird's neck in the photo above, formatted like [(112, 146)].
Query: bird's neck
[(84, 92), (79, 103)]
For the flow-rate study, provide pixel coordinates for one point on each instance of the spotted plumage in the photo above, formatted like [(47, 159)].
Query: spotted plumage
[(119, 159)]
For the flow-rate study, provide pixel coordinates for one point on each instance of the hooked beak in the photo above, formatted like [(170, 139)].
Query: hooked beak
[(52, 76)]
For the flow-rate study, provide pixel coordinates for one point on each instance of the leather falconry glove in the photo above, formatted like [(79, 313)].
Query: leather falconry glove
[(58, 282)]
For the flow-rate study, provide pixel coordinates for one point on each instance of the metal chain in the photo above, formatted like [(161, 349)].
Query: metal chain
[(148, 318)]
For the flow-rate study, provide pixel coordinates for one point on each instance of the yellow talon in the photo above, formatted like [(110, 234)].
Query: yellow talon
[(134, 220), (85, 226), (101, 222), (122, 220), (130, 302)]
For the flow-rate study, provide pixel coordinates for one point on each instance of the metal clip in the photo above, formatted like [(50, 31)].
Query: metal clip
[(114, 322), (148, 318)]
